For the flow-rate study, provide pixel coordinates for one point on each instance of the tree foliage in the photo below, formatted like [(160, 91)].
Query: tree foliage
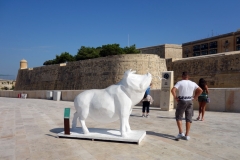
[(49, 62), (91, 52), (13, 87), (111, 49), (86, 53), (5, 88), (131, 50), (64, 57)]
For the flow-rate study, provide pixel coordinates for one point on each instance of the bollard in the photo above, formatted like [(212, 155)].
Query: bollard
[(66, 121), (19, 95)]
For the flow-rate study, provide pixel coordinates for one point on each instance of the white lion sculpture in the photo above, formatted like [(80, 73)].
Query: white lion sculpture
[(112, 103)]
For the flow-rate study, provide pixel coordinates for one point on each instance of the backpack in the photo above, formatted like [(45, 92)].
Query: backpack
[(145, 95)]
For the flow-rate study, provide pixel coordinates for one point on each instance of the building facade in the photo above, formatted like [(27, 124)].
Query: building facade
[(213, 45), (164, 51), (7, 84)]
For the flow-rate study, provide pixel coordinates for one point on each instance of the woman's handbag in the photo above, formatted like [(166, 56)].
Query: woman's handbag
[(208, 100)]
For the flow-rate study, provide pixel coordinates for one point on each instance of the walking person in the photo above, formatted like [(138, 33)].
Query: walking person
[(202, 99), (187, 90), (147, 100)]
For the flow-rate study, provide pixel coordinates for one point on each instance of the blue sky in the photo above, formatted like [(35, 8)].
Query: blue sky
[(38, 30)]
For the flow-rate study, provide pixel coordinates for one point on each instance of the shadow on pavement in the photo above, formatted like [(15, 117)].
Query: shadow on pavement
[(132, 115), (56, 130), (161, 135), (51, 135), (166, 117), (150, 108)]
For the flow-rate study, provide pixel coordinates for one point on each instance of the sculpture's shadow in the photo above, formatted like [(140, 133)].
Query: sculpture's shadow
[(56, 130), (78, 130), (101, 134), (161, 135)]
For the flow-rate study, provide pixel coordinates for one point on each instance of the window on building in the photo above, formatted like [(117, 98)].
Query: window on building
[(196, 54), (196, 48), (238, 48), (187, 51), (204, 52), (213, 51), (213, 44), (238, 40), (204, 46)]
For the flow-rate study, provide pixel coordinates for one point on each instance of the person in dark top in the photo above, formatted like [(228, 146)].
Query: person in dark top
[(146, 102), (202, 99)]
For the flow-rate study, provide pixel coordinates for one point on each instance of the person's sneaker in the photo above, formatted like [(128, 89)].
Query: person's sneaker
[(180, 135), (186, 138), (147, 116), (143, 115)]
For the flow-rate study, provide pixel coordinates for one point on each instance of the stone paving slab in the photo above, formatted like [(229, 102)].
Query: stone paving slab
[(104, 135), (29, 127)]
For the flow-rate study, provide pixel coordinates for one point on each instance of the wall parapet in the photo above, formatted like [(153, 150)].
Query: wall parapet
[(222, 99), (95, 73)]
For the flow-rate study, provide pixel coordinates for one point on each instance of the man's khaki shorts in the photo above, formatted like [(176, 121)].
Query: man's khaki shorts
[(184, 106)]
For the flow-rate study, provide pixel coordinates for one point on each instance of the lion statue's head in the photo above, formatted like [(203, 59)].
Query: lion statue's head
[(136, 82)]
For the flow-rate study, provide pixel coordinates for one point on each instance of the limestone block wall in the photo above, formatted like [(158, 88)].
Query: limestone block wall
[(220, 70), (222, 99), (173, 51), (164, 51), (158, 50), (88, 74)]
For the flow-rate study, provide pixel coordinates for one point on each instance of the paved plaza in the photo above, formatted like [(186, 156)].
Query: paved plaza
[(28, 129)]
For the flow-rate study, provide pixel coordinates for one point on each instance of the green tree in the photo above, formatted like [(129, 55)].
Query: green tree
[(98, 50), (49, 62), (87, 53), (91, 52), (12, 87), (5, 88), (111, 49), (131, 50), (64, 57)]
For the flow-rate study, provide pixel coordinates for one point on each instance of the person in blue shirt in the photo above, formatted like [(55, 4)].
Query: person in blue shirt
[(146, 102)]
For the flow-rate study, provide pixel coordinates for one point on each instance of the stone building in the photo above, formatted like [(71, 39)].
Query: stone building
[(213, 45), (6, 84), (164, 51), (221, 70)]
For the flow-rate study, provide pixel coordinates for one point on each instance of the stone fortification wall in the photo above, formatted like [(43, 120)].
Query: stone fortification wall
[(89, 74), (220, 70), (173, 51), (164, 51)]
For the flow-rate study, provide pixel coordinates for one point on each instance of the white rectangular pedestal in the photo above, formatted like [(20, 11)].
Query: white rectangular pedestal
[(56, 95), (49, 95), (105, 134)]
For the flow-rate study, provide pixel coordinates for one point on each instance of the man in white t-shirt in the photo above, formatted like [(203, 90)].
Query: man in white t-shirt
[(185, 88)]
